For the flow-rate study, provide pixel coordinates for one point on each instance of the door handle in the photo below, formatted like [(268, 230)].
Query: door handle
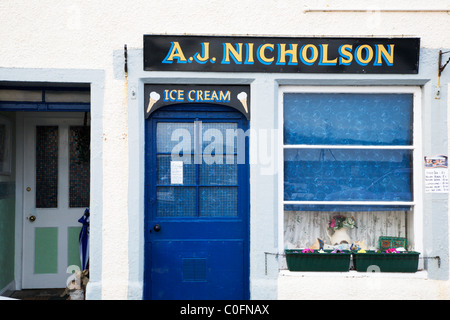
[(32, 218), (157, 228)]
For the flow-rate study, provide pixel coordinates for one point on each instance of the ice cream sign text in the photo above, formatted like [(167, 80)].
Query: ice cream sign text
[(235, 96), (196, 95), (258, 54)]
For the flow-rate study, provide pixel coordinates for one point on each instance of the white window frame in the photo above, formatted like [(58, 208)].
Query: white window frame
[(414, 232)]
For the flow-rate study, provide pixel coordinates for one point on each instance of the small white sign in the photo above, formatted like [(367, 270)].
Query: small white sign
[(436, 174), (176, 172)]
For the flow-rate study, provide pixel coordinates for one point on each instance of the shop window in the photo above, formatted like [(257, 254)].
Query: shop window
[(348, 152)]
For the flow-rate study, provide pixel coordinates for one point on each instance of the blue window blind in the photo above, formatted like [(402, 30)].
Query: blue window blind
[(348, 119), (347, 175), (354, 173)]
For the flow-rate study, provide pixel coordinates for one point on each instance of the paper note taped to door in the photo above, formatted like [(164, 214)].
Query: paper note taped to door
[(176, 172)]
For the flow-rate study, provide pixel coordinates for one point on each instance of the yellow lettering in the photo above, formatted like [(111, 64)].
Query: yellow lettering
[(214, 96), (249, 59), (191, 96), (225, 97), (205, 51), (345, 52), (369, 54), (199, 95), (324, 54), (261, 53), (175, 53), (304, 54), (386, 54), (231, 51), (172, 95), (283, 52)]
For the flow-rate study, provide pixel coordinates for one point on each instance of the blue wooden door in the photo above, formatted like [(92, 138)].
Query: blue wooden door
[(197, 205)]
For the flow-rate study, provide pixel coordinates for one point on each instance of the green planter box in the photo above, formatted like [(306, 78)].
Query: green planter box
[(298, 261), (386, 262)]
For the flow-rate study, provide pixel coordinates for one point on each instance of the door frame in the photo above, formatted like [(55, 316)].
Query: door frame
[(20, 237), (178, 113), (94, 79)]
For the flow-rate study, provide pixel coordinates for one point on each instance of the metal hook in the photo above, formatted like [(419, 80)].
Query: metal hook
[(442, 67)]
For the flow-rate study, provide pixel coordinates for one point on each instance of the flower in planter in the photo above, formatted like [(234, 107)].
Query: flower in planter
[(307, 250), (391, 250), (362, 251), (337, 251), (339, 222)]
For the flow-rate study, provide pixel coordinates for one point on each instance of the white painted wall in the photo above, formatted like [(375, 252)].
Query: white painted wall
[(55, 39), (319, 286)]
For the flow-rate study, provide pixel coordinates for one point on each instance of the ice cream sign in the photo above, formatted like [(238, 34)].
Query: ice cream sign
[(281, 55), (235, 96)]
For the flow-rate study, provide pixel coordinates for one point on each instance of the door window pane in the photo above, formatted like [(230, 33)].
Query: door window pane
[(175, 137), (215, 172), (218, 201), (220, 138), (209, 186), (164, 173), (46, 167), (176, 202), (79, 176)]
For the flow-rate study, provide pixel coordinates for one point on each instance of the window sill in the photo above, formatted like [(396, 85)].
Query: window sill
[(421, 274)]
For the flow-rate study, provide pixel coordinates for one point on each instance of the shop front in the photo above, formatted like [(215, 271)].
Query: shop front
[(209, 157), (254, 144)]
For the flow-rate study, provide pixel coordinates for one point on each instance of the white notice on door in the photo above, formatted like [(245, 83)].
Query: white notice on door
[(436, 174), (176, 172)]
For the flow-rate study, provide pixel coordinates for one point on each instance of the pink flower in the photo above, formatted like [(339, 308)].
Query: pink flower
[(332, 223), (391, 250), (307, 250)]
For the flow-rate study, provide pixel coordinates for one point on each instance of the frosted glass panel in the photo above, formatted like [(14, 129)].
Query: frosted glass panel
[(177, 138), (164, 174), (224, 172), (79, 178), (46, 167), (218, 201), (176, 201), (219, 138)]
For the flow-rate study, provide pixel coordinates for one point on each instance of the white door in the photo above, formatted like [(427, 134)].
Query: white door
[(56, 193)]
